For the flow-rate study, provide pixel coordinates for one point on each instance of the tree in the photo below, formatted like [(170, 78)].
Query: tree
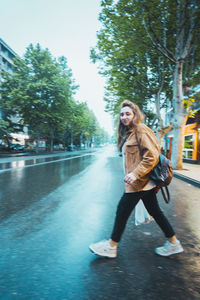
[(150, 44), (182, 21), (39, 92), (84, 123), (133, 69), (116, 49)]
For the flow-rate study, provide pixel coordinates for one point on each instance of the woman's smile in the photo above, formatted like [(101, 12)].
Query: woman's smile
[(126, 115)]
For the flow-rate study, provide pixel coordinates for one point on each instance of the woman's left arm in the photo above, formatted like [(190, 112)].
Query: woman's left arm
[(150, 154)]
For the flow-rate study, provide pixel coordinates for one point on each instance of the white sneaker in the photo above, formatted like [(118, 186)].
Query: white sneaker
[(103, 248), (169, 249)]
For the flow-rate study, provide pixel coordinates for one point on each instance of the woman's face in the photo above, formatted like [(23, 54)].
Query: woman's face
[(126, 115)]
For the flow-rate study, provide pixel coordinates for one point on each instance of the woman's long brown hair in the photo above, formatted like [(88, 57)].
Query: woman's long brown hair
[(122, 129)]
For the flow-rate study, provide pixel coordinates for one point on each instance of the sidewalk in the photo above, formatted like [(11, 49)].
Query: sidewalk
[(190, 174)]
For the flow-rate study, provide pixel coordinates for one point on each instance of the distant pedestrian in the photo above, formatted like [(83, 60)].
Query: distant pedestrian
[(137, 183)]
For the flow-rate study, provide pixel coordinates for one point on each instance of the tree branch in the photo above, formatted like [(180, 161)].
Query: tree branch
[(156, 46), (189, 38), (158, 40)]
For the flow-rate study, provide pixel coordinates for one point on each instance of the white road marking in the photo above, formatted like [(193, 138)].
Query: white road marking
[(42, 163)]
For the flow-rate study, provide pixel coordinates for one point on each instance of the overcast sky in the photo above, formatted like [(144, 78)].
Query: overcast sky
[(65, 27)]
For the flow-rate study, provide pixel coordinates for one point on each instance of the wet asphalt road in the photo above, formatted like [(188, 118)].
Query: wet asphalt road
[(50, 212)]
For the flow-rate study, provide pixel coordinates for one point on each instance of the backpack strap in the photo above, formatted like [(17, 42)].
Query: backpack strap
[(166, 198)]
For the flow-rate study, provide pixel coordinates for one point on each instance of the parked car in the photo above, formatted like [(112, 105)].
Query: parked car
[(20, 147), (12, 146), (17, 147), (71, 148)]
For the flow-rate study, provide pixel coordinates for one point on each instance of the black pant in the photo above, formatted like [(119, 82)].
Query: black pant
[(128, 203)]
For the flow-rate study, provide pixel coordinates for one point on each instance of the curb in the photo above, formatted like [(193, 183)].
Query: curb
[(187, 179)]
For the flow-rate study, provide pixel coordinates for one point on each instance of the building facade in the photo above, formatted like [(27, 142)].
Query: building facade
[(191, 140), (191, 144), (7, 56), (6, 60)]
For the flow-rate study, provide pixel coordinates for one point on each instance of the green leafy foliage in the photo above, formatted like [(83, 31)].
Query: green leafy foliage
[(137, 49), (40, 93)]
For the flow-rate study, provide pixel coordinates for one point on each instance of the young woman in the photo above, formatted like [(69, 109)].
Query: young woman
[(137, 183)]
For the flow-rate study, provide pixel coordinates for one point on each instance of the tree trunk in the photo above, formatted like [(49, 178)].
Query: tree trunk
[(72, 138), (162, 132), (51, 139), (179, 118), (7, 140), (81, 139), (160, 121), (37, 140)]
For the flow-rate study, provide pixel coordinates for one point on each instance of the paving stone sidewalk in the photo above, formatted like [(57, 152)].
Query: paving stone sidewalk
[(190, 174)]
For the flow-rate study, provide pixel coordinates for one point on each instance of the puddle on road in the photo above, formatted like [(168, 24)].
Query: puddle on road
[(21, 187), (35, 161)]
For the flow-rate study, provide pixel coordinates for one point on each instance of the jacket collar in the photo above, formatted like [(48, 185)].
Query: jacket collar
[(131, 131)]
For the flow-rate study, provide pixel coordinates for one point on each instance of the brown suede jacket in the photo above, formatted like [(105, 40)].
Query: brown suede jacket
[(134, 162)]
